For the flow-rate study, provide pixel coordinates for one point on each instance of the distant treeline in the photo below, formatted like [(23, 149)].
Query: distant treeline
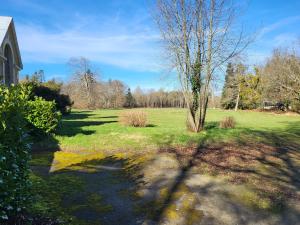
[(86, 90), (116, 94)]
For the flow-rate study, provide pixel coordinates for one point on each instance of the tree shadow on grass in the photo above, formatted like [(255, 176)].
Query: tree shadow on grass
[(71, 128), (79, 115), (98, 191), (211, 125), (267, 160), (79, 123), (107, 117)]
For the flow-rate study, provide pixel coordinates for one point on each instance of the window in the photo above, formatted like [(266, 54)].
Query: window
[(1, 73), (8, 68)]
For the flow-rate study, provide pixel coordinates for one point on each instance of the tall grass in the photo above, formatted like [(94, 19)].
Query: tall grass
[(134, 118), (228, 122)]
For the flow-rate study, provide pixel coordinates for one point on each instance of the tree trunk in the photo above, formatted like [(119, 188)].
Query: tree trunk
[(237, 100)]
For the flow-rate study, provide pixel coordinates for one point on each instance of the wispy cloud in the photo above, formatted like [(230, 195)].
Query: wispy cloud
[(133, 50), (273, 36), (279, 24)]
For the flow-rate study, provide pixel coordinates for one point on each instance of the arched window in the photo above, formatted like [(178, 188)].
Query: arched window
[(8, 68), (1, 72)]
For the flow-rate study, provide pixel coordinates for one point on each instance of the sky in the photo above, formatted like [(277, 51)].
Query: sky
[(121, 38)]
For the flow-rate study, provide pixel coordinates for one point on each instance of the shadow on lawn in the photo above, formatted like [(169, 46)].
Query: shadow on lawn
[(107, 117), (99, 191), (73, 127), (268, 161), (75, 123), (79, 115)]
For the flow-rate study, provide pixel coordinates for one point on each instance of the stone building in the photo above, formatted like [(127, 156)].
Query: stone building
[(10, 58)]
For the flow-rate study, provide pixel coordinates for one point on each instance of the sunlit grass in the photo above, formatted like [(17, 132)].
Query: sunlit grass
[(100, 129)]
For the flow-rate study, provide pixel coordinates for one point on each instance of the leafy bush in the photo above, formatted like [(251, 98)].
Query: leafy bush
[(42, 115), (50, 91), (134, 118), (228, 122), (14, 153)]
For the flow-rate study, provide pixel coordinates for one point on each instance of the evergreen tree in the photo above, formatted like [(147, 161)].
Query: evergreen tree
[(228, 93), (130, 101)]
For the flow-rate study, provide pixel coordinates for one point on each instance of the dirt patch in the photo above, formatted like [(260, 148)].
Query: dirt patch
[(213, 200), (269, 173)]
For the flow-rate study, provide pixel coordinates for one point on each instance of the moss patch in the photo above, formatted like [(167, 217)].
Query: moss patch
[(42, 159), (63, 159), (48, 194), (173, 207), (251, 199)]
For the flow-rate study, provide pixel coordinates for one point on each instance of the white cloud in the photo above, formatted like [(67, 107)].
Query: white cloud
[(262, 48), (279, 24), (130, 46)]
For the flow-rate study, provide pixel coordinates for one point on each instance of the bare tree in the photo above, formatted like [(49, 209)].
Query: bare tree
[(140, 97), (199, 36), (117, 90), (281, 77), (85, 79)]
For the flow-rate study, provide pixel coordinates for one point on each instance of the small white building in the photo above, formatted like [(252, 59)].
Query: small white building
[(10, 58)]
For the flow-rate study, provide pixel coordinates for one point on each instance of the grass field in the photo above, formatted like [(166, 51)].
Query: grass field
[(100, 130), (98, 171)]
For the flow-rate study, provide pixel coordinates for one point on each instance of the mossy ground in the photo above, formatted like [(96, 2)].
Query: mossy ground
[(86, 188)]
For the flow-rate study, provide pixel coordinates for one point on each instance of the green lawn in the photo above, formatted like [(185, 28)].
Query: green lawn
[(97, 171), (100, 129)]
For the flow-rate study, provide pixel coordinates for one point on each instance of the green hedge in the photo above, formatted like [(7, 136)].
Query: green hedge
[(49, 91), (20, 118), (14, 152), (42, 115)]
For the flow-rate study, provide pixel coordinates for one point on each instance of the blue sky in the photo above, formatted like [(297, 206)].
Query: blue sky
[(121, 39)]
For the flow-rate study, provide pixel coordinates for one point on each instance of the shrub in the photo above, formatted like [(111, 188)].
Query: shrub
[(42, 115), (228, 122), (14, 153), (50, 91), (134, 118)]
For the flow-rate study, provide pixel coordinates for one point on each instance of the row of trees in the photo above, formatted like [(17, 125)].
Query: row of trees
[(159, 99), (116, 94), (87, 91), (275, 84)]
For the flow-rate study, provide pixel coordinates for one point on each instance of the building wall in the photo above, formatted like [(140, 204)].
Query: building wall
[(14, 75), (1, 71)]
